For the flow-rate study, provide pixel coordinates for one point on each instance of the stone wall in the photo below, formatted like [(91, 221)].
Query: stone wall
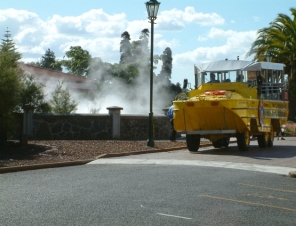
[(135, 127), (96, 127), (71, 127)]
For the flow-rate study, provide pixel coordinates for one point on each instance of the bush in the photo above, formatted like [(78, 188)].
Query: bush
[(290, 128)]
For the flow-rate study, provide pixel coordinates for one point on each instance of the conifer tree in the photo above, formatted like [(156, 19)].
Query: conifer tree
[(166, 69), (10, 82), (48, 60), (125, 48)]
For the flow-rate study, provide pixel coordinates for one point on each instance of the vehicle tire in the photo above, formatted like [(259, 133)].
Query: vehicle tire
[(270, 137), (243, 141), (193, 142), (263, 140), (226, 141), (218, 143)]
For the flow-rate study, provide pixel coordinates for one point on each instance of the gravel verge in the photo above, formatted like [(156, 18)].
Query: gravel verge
[(56, 151)]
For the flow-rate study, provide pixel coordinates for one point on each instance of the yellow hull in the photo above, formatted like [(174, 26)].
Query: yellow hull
[(224, 115)]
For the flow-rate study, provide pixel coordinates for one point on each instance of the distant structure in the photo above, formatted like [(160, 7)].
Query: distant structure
[(50, 78)]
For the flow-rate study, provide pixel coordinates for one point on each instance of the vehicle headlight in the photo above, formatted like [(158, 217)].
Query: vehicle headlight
[(228, 95)]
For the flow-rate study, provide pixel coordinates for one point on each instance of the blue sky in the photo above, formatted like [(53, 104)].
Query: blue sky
[(196, 31)]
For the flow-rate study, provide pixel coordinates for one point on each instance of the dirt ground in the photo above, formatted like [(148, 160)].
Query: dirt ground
[(40, 152)]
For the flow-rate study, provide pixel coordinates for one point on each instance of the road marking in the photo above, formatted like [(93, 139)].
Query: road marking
[(168, 215), (249, 203), (265, 196), (275, 189), (230, 165)]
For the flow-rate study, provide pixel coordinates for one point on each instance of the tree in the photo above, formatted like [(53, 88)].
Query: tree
[(140, 50), (166, 69), (10, 84), (32, 94), (126, 72), (61, 100), (125, 48), (279, 39), (48, 60), (78, 60)]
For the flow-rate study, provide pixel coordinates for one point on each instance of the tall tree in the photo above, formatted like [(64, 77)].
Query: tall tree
[(140, 50), (10, 83), (166, 69), (77, 61), (48, 60), (279, 39), (125, 48)]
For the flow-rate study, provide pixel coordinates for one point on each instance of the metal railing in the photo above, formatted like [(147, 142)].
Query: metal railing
[(271, 91)]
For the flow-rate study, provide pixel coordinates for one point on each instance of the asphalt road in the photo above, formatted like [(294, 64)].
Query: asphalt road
[(134, 191)]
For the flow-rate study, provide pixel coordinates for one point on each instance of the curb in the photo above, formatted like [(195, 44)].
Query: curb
[(42, 166), (83, 162)]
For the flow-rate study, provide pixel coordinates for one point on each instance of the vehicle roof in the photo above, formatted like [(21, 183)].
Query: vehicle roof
[(234, 65)]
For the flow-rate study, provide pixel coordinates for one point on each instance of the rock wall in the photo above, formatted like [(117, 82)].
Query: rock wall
[(96, 127)]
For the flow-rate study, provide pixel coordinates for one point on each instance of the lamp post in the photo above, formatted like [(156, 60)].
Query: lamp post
[(152, 9), (268, 59)]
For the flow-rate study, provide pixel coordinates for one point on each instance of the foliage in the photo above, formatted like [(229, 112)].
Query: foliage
[(48, 60), (32, 94), (290, 128), (10, 84), (125, 48), (37, 64), (9, 77), (140, 50), (166, 69), (125, 72), (77, 61), (61, 100), (279, 39)]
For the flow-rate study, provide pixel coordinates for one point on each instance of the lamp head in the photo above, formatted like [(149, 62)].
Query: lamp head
[(268, 57), (152, 9)]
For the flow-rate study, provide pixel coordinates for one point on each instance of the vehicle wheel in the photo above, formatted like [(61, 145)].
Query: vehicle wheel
[(243, 141), (263, 140), (270, 137), (218, 143), (193, 142), (226, 141)]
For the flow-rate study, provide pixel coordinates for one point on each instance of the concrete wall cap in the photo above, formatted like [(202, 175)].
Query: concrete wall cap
[(114, 108)]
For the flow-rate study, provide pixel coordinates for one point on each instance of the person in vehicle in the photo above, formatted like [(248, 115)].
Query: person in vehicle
[(240, 78), (213, 78)]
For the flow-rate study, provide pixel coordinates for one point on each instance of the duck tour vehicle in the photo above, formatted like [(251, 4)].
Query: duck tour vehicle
[(232, 98)]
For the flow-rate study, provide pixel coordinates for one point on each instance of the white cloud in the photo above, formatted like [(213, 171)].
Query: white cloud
[(177, 19), (236, 43)]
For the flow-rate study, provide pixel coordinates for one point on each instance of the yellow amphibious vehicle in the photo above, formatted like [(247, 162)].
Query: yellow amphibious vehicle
[(233, 98)]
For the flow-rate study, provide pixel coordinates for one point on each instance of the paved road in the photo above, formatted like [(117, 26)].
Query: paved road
[(158, 189), (146, 195), (280, 159)]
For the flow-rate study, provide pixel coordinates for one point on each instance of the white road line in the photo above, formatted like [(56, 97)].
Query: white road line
[(230, 165), (168, 215)]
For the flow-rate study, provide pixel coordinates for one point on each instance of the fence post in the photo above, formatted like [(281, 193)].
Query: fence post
[(114, 111), (27, 124)]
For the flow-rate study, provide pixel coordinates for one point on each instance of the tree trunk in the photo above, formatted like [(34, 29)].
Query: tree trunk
[(3, 130)]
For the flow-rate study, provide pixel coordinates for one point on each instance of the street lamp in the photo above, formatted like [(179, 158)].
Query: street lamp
[(152, 9), (268, 59)]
